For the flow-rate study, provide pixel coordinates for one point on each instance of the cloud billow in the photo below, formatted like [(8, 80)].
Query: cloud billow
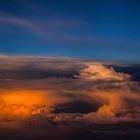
[(95, 94)]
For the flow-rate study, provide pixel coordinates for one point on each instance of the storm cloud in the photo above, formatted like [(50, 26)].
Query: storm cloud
[(47, 93)]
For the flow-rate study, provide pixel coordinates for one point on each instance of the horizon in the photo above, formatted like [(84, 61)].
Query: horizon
[(98, 30)]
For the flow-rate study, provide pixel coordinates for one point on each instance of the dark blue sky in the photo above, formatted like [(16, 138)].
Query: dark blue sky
[(92, 29)]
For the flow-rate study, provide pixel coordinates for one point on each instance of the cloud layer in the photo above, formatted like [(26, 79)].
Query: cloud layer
[(77, 91)]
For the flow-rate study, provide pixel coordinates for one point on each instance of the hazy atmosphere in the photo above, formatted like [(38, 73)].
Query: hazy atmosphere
[(69, 69)]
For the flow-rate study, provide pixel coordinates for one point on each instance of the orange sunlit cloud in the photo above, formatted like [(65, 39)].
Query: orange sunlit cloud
[(21, 103), (25, 103)]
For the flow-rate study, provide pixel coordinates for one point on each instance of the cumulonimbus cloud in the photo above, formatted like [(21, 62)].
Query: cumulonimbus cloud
[(101, 72), (110, 95)]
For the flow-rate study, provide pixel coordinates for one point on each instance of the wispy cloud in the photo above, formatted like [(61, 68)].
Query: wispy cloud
[(56, 30), (67, 32)]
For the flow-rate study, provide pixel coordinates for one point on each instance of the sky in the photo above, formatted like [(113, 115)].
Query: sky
[(87, 29)]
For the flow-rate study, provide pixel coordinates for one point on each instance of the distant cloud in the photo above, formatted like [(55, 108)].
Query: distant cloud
[(100, 72)]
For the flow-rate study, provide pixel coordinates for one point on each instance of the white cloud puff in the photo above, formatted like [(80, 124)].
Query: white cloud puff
[(101, 72)]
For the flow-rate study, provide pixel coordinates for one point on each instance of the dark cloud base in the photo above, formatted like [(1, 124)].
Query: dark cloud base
[(129, 131), (130, 69)]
